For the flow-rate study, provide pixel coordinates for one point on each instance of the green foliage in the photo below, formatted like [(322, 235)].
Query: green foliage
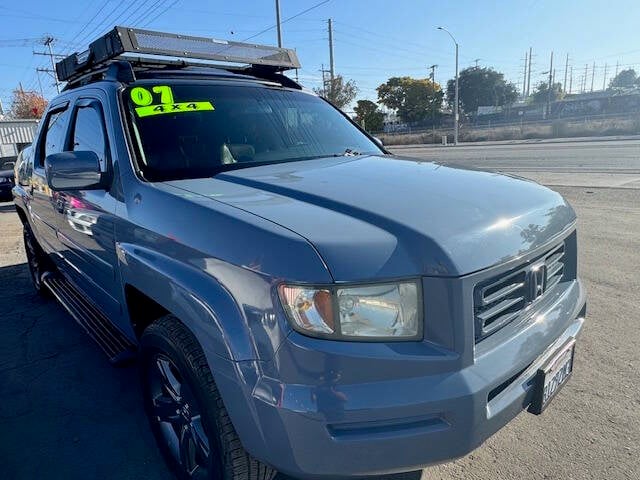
[(625, 79), (413, 99), (338, 92), (481, 87), (541, 94), (369, 116)]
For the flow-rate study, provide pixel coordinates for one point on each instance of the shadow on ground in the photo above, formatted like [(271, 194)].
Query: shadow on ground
[(65, 411)]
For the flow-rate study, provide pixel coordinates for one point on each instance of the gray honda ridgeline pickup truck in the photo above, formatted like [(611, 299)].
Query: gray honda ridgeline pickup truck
[(298, 299)]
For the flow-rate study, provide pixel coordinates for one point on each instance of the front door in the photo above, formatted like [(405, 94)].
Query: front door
[(86, 218)]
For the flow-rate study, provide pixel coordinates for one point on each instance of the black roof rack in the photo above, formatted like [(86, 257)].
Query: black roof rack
[(166, 48)]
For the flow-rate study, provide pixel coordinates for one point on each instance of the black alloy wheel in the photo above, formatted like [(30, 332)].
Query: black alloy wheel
[(178, 416)]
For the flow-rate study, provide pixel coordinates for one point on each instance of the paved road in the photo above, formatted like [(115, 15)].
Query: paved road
[(595, 164), (581, 157), (65, 413)]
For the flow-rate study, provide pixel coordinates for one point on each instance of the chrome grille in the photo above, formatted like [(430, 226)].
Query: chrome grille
[(554, 264), (501, 299)]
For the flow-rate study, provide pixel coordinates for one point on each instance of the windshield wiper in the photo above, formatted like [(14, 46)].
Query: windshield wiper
[(350, 153)]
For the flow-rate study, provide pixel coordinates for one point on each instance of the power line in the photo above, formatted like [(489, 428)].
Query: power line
[(171, 5), (109, 19), (144, 13), (287, 19), (133, 13), (48, 41), (86, 25)]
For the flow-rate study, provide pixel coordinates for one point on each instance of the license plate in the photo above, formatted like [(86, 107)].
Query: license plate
[(552, 376)]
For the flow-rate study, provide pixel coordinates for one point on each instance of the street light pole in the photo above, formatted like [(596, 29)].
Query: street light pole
[(456, 107)]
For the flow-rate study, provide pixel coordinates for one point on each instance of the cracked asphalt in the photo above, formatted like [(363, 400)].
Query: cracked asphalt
[(66, 413)]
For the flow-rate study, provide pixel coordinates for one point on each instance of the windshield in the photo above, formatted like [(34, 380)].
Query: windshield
[(194, 131)]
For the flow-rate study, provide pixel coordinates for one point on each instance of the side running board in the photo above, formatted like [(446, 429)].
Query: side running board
[(118, 348)]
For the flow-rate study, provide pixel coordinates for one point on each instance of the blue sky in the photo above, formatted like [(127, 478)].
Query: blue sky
[(374, 39)]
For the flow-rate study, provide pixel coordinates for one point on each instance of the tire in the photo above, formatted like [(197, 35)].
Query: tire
[(185, 410), (37, 262)]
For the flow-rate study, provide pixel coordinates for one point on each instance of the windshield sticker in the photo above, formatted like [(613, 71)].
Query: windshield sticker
[(143, 98), (173, 108)]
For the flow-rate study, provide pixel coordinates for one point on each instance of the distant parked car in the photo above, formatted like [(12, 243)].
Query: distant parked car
[(6, 184)]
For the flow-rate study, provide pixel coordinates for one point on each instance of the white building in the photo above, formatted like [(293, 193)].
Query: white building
[(14, 136)]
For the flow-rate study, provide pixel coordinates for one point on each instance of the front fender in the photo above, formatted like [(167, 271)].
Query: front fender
[(190, 294)]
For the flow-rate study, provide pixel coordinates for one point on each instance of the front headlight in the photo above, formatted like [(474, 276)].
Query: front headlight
[(383, 312)]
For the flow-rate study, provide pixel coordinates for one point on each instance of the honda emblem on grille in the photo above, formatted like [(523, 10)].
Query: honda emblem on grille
[(537, 281)]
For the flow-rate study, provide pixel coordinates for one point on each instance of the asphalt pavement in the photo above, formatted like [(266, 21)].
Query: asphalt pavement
[(66, 413), (569, 157)]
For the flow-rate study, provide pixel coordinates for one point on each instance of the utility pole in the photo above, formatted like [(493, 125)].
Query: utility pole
[(566, 68), (477, 60), (584, 79), (432, 75), (456, 107), (571, 81), (48, 41), (39, 82), (524, 78), (549, 85), (279, 26), (331, 66), (593, 75), (324, 81), (604, 81), (529, 74), (617, 65)]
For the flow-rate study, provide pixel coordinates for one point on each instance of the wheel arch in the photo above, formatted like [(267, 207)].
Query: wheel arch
[(155, 284)]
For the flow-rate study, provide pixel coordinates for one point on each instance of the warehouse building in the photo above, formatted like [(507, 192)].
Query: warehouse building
[(14, 136)]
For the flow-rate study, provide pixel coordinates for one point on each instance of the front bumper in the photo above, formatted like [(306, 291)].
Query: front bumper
[(337, 428)]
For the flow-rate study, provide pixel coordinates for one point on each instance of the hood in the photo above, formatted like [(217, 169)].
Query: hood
[(380, 217)]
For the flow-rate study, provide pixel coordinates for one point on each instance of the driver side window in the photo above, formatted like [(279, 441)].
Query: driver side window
[(89, 133)]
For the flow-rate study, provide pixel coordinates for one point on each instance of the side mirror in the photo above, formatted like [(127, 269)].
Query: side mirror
[(378, 141), (74, 171)]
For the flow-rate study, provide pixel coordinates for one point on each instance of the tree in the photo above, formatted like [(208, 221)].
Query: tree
[(624, 79), (413, 99), (368, 115), (27, 104), (541, 94), (481, 87), (338, 92)]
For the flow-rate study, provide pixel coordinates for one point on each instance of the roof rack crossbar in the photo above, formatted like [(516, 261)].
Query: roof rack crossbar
[(122, 41)]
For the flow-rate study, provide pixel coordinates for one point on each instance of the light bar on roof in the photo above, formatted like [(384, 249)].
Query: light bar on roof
[(123, 40)]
